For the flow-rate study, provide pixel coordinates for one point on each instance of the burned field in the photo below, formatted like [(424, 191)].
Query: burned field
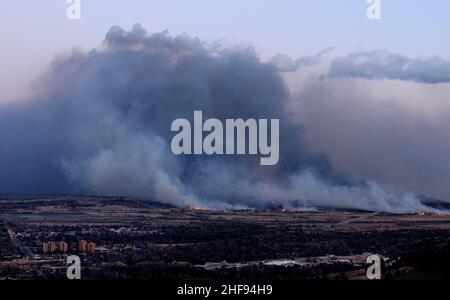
[(143, 240)]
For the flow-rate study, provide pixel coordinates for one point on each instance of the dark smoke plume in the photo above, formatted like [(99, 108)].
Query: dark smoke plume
[(100, 124)]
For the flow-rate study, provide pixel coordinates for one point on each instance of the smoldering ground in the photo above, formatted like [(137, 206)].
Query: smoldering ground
[(100, 124)]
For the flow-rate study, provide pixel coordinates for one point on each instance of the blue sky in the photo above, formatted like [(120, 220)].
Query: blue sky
[(33, 32)]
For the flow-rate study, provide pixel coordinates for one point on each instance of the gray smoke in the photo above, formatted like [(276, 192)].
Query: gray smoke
[(284, 63), (382, 64), (385, 130), (100, 124)]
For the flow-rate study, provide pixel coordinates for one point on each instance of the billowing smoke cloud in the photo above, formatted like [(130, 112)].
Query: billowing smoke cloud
[(382, 64), (284, 63), (386, 130), (100, 123)]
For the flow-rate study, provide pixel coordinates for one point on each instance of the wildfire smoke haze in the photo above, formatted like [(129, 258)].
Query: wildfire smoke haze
[(100, 124)]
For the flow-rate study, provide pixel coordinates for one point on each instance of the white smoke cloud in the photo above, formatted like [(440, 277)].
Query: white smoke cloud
[(382, 64), (390, 131), (284, 63)]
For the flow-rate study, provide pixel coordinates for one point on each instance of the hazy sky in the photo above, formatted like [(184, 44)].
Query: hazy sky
[(377, 105), (33, 32)]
